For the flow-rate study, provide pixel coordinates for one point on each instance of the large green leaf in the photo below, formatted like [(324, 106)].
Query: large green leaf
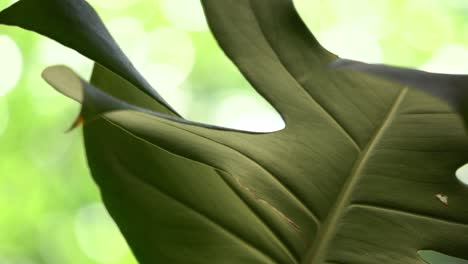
[(352, 178)]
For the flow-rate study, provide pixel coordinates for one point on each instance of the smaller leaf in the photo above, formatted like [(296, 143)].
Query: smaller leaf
[(97, 102), (94, 101)]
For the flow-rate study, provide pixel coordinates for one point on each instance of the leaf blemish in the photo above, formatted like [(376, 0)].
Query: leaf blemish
[(442, 198), (258, 199)]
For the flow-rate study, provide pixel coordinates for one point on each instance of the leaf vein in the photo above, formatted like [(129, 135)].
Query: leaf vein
[(232, 233), (402, 212), (328, 228)]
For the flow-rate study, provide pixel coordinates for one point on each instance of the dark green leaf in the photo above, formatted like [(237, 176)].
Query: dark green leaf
[(353, 178), (75, 24), (450, 87)]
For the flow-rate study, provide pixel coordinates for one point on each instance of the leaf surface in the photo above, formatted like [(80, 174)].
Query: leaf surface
[(353, 177), (453, 88)]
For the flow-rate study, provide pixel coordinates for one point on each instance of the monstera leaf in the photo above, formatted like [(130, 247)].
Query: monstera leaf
[(362, 173)]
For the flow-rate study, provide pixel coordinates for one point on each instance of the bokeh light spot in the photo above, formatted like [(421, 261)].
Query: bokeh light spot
[(424, 25), (360, 45), (165, 56), (311, 10), (246, 113), (167, 78), (52, 53), (186, 14), (128, 32), (462, 174), (50, 145), (169, 46), (11, 64), (169, 59), (98, 236), (358, 10), (450, 58)]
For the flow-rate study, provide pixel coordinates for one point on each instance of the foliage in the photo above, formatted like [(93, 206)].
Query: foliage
[(351, 179)]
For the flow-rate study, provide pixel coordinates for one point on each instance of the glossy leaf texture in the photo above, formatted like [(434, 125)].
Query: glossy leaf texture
[(353, 178)]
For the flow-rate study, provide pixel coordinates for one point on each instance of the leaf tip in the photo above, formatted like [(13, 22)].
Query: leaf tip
[(65, 81), (78, 122)]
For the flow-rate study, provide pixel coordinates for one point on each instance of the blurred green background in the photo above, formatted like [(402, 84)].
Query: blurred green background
[(50, 210)]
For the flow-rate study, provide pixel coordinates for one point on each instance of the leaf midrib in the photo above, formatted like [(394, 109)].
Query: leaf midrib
[(329, 227)]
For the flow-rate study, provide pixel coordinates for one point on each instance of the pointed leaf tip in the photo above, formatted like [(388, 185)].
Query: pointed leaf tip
[(78, 122)]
